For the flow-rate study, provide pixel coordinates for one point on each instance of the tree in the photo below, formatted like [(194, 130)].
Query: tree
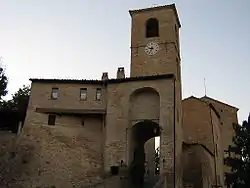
[(3, 84), (20, 100), (13, 111), (239, 157)]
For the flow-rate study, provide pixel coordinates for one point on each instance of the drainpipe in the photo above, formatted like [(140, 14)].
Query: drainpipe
[(215, 164), (105, 92), (174, 127)]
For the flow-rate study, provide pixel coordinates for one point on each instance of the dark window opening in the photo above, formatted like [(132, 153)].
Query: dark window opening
[(54, 93), (83, 94), (98, 94), (51, 120), (152, 28)]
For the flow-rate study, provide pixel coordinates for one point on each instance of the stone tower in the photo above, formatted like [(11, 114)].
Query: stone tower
[(155, 41), (155, 50), (155, 46)]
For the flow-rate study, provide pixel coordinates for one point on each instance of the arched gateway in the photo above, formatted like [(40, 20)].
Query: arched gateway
[(144, 110), (141, 133), (144, 114)]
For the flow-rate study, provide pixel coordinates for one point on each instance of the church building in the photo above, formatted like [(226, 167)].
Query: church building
[(79, 130)]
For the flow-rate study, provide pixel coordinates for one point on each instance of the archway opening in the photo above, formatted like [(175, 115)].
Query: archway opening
[(142, 132)]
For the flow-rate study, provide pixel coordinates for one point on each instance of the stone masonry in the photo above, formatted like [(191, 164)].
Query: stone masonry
[(76, 130)]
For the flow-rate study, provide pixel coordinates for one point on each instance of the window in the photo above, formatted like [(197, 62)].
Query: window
[(54, 93), (98, 94), (51, 120), (83, 94), (152, 28)]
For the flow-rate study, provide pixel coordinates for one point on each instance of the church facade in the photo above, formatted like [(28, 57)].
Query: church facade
[(79, 129)]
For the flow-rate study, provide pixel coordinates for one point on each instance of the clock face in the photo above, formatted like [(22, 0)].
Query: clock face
[(152, 48)]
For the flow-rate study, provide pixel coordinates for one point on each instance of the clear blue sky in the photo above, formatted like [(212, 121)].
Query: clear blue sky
[(83, 38)]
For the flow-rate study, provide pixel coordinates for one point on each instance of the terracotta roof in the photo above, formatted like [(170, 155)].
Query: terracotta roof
[(172, 6), (206, 97), (109, 81), (209, 104)]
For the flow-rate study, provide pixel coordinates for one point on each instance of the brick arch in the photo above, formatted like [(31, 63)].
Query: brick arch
[(144, 104)]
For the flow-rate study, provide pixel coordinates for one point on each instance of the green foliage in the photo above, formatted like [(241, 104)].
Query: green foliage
[(157, 160), (239, 157), (3, 84), (20, 99)]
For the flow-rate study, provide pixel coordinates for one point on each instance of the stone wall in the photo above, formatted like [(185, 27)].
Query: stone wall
[(197, 125), (228, 116), (65, 155), (198, 166), (69, 96)]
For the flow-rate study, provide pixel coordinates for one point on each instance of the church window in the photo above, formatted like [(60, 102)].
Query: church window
[(83, 94), (54, 93), (152, 28), (51, 120), (98, 94)]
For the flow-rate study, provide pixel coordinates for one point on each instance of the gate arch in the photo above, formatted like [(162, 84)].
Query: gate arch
[(144, 104), (144, 114)]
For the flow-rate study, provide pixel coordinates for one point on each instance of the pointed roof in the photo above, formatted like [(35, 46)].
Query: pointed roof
[(220, 102), (203, 101)]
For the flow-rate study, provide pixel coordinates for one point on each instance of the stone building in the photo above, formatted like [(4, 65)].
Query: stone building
[(78, 129)]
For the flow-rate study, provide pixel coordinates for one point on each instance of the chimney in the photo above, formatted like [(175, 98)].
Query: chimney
[(120, 73), (105, 76)]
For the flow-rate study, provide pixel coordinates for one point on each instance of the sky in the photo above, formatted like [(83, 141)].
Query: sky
[(80, 39)]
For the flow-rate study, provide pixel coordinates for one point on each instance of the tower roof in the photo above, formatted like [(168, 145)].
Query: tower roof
[(171, 6)]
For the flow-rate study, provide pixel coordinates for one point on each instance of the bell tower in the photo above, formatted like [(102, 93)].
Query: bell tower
[(155, 41), (155, 50)]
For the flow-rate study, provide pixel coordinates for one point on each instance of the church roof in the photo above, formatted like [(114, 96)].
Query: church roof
[(172, 6), (215, 100), (109, 81), (209, 104)]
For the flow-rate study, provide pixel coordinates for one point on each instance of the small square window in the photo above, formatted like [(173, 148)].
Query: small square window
[(83, 94), (54, 93), (98, 94), (51, 120)]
